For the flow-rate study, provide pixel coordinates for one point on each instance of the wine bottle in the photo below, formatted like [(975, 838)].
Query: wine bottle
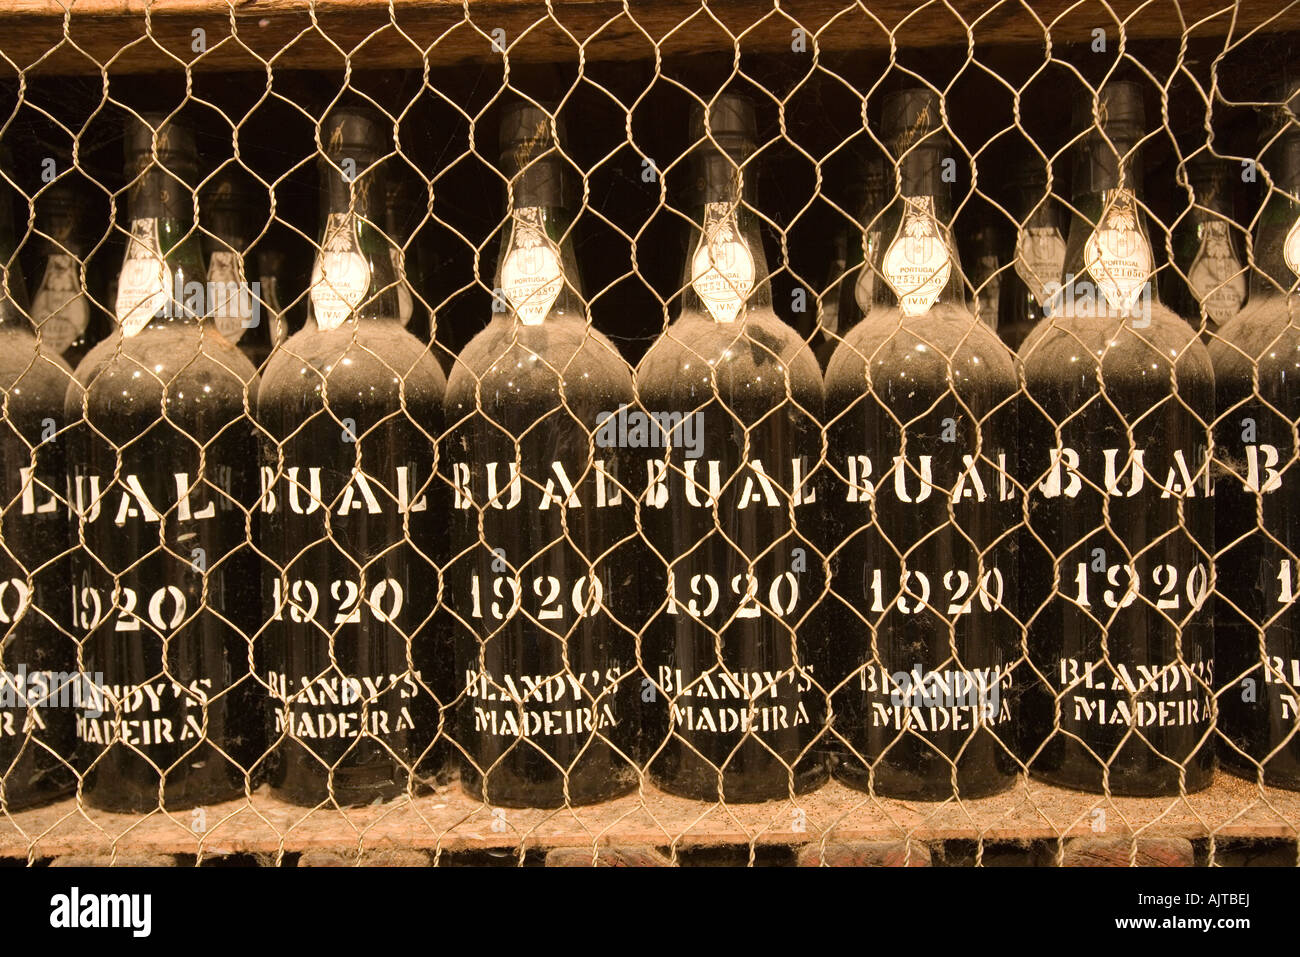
[(1210, 278), (38, 679), (352, 512), (68, 321), (921, 443), (1116, 569), (851, 285), (543, 525), (1256, 514), (165, 579), (1027, 289), (729, 505)]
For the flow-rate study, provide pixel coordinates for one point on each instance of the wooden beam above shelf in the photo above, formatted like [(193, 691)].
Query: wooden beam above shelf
[(143, 36)]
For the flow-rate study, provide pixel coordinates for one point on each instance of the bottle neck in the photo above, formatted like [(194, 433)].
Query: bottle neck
[(917, 266), (268, 281), (393, 224), (1212, 200), (726, 272), (920, 173), (162, 278), (159, 195), (537, 271), (1034, 208), (1273, 275), (226, 225), (1109, 263), (61, 224), (1102, 165), (353, 279), (350, 194)]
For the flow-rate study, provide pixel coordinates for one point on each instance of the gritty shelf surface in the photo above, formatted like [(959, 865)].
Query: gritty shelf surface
[(448, 820)]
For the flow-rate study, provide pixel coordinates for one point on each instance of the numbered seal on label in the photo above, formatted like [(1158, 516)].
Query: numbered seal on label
[(722, 269)]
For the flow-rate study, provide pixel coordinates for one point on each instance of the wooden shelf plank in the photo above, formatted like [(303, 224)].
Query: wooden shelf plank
[(43, 36), (448, 821)]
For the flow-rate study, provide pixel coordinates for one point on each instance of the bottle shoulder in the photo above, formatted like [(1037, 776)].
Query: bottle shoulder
[(180, 362), (756, 354), (30, 377), (369, 362), (510, 358), (946, 346), (1264, 336), (1068, 348)]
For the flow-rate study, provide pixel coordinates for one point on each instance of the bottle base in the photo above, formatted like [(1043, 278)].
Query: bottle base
[(546, 795), (26, 800), (317, 796), (1286, 781), (145, 802), (1125, 786), (699, 789), (890, 784)]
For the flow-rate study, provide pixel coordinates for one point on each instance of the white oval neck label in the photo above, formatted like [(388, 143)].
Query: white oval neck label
[(231, 302), (722, 269), (918, 262), (340, 277), (59, 307), (1217, 276), (1040, 261), (1117, 255), (142, 288), (1291, 247), (531, 275)]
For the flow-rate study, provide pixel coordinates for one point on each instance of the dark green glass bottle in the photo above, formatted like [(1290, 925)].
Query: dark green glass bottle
[(920, 444), (851, 285), (38, 682), (545, 551), (237, 311), (270, 273), (165, 581), (986, 272), (352, 513), (729, 510), (1115, 574), (406, 255), (1257, 514)]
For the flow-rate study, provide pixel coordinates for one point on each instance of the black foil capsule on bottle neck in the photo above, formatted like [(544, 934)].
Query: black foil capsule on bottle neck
[(164, 583), (352, 514), (921, 505), (729, 505)]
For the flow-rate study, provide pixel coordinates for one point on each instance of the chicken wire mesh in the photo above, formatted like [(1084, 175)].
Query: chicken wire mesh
[(627, 450)]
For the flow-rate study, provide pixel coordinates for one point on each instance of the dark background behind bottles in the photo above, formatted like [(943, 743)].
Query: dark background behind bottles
[(823, 121)]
